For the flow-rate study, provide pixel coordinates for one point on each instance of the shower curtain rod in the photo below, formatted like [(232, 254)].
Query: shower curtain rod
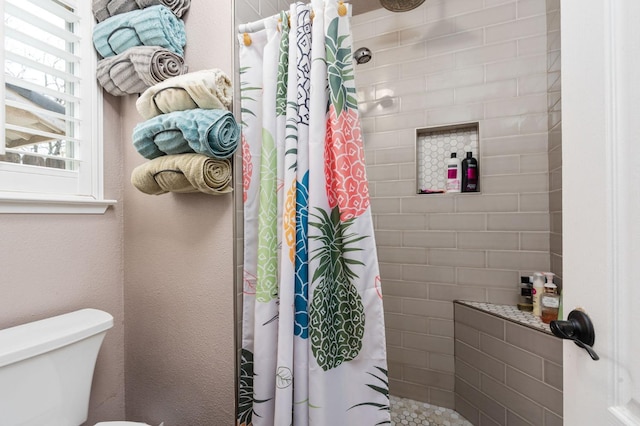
[(256, 26)]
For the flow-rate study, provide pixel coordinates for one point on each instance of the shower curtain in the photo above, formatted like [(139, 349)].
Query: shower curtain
[(313, 341)]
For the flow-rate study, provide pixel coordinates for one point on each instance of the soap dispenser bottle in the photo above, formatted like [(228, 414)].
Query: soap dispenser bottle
[(536, 293), (454, 173), (469, 173)]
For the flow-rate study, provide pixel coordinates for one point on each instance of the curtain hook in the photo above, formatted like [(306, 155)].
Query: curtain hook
[(313, 14), (246, 39), (342, 8)]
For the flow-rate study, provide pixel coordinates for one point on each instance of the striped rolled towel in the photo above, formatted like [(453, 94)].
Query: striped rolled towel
[(183, 173), (103, 9), (153, 26), (138, 68), (211, 132), (208, 89)]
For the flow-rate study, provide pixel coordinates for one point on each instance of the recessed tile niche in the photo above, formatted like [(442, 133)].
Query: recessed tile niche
[(434, 146)]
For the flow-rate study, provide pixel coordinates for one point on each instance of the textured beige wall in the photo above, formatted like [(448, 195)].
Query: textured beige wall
[(53, 264), (179, 274)]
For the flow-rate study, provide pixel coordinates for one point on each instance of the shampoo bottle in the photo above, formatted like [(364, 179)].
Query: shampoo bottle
[(536, 293), (454, 173), (469, 173)]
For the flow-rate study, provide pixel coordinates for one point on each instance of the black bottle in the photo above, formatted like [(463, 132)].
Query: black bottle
[(469, 174)]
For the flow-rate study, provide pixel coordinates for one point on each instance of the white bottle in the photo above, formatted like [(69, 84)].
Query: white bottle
[(536, 293), (454, 173)]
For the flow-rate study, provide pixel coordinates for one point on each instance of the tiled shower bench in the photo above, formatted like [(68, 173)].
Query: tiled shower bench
[(508, 366)]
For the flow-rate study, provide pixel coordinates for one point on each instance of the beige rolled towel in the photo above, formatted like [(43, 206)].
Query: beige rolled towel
[(138, 68), (103, 9), (206, 89), (183, 173)]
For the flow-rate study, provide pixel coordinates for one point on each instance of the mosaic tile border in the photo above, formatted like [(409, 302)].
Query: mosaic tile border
[(408, 412), (511, 313)]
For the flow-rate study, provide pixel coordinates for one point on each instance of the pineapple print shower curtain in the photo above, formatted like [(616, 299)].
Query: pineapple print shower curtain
[(313, 341)]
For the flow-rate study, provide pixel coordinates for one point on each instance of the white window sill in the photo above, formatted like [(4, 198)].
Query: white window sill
[(43, 204)]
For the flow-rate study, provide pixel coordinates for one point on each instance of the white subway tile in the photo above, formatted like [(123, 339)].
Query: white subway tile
[(553, 41), (513, 184), (532, 84), (427, 100), (534, 202), (504, 126), (427, 66), (535, 241), (516, 68), (456, 78), (398, 21), (400, 121), (449, 8), (486, 203), (487, 54), (455, 114), (488, 240), (485, 92), (457, 222), (521, 105), (427, 204), (385, 205), (527, 8), (456, 257), (399, 188), (383, 106), (401, 54), (518, 221), (429, 239), (383, 172), (379, 42), (517, 29), (520, 260), (488, 16), (534, 123), (553, 61), (512, 144), (532, 45), (427, 31), (534, 163), (401, 87), (376, 74), (504, 164), (394, 155), (454, 42), (402, 222)]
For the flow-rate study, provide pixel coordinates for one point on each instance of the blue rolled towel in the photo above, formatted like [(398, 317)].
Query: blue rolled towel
[(153, 26), (212, 132)]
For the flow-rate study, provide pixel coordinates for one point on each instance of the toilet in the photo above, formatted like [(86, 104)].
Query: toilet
[(46, 369)]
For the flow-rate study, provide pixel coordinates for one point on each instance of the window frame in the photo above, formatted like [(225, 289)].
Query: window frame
[(38, 188)]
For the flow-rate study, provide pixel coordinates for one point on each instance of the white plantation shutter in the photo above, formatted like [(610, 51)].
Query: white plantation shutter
[(50, 145)]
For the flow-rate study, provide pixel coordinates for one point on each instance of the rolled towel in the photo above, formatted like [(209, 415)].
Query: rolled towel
[(138, 68), (211, 132), (153, 26), (208, 89), (183, 173), (103, 9)]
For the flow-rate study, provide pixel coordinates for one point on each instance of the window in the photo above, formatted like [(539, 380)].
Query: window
[(50, 144)]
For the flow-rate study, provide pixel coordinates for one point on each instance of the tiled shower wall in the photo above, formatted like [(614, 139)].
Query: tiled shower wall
[(450, 62), (555, 137)]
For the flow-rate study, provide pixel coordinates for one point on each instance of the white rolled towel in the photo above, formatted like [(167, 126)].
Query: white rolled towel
[(205, 89)]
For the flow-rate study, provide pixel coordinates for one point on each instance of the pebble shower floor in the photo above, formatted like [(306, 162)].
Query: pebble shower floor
[(413, 413)]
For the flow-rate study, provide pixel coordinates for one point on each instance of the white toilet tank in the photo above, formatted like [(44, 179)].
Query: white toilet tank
[(46, 368)]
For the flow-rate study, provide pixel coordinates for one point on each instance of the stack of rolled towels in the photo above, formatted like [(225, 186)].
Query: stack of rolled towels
[(141, 43), (188, 136)]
